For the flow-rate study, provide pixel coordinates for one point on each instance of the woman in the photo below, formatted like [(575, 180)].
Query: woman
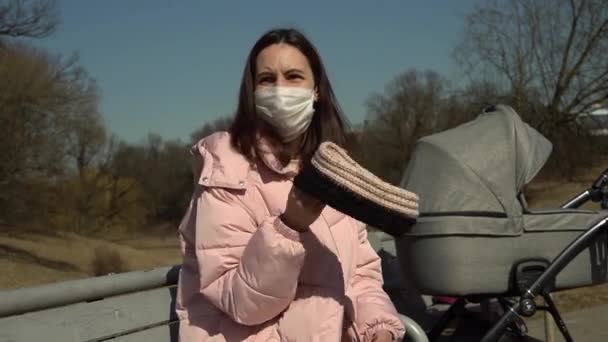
[(262, 260)]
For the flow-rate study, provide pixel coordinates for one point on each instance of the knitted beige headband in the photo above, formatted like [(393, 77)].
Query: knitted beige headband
[(335, 163)]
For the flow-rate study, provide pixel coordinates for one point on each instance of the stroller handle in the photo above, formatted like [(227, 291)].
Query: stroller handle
[(578, 200), (596, 193)]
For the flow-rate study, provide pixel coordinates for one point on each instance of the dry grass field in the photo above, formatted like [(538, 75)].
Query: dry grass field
[(32, 258)]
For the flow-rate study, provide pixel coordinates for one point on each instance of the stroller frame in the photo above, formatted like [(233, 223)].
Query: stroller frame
[(534, 278)]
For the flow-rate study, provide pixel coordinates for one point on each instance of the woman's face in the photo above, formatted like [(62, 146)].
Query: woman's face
[(283, 65)]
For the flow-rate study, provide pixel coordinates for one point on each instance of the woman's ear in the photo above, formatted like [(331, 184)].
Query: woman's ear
[(316, 94)]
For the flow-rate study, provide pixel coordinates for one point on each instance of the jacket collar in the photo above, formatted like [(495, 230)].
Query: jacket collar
[(269, 159), (223, 166)]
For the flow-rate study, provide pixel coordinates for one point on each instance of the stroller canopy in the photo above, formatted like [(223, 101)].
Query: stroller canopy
[(473, 231), (479, 166)]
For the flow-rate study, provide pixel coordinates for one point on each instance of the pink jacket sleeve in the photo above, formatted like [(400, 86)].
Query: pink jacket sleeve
[(373, 308), (248, 271)]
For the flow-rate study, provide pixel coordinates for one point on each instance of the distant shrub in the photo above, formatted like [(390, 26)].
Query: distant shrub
[(107, 260)]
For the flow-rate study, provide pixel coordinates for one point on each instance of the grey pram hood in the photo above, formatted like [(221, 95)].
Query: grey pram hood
[(472, 228), (477, 168)]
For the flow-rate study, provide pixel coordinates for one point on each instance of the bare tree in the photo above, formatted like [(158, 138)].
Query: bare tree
[(41, 98), (162, 171), (34, 18), (47, 115), (412, 105), (550, 55), (85, 136)]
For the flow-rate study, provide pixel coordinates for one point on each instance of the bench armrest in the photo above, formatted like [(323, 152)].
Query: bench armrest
[(413, 331)]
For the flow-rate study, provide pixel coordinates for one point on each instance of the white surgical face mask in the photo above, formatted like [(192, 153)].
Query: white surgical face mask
[(288, 109)]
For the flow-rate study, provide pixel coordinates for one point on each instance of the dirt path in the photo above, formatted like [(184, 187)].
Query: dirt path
[(585, 325)]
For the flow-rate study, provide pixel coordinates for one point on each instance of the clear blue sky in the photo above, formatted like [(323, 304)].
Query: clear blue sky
[(168, 66)]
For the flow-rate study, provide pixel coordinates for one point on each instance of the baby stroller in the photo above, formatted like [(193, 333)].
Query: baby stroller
[(477, 240)]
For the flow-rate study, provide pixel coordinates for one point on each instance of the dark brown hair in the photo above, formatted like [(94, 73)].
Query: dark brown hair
[(327, 123)]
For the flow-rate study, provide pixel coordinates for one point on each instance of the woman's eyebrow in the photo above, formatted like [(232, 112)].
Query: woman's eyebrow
[(288, 71), (264, 73)]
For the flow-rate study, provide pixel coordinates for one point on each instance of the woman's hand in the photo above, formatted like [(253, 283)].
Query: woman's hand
[(302, 210), (383, 336)]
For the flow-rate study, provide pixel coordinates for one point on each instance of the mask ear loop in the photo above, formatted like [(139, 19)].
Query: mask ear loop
[(315, 99), (305, 134)]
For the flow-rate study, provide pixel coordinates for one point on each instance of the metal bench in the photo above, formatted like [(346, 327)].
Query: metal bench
[(134, 306), (127, 307)]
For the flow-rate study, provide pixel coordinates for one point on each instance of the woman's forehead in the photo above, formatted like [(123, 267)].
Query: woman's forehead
[(281, 57)]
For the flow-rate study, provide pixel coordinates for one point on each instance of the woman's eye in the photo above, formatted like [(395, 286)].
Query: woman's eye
[(295, 77), (265, 80)]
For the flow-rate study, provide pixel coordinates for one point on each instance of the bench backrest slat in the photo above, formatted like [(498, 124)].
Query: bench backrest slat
[(13, 302), (97, 320), (163, 333)]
